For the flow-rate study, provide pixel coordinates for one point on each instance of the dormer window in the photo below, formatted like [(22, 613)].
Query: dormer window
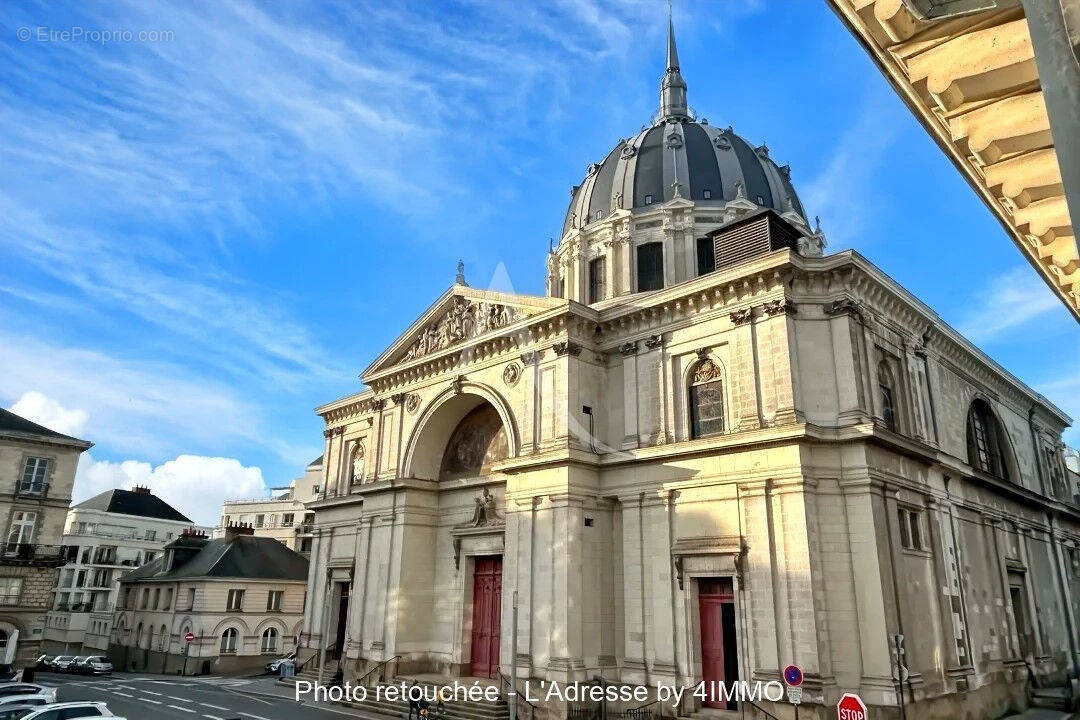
[(706, 194), (648, 199)]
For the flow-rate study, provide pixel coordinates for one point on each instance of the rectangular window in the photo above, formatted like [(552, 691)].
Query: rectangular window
[(305, 545), (648, 199), (168, 599), (910, 529), (650, 267), (706, 409), (236, 600), (151, 534), (34, 472), (706, 194), (287, 520), (706, 256), (21, 533), (145, 599), (259, 520), (273, 600), (190, 599), (597, 279), (157, 598), (10, 589)]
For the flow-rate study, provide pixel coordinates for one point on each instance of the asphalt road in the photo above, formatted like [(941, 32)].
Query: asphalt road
[(160, 697)]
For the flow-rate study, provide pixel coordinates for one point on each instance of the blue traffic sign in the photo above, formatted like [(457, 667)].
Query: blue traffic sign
[(793, 675)]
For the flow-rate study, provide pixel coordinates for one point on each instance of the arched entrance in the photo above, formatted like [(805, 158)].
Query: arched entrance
[(461, 434)]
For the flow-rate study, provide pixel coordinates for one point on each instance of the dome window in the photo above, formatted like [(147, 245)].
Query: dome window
[(599, 214), (706, 194), (760, 199), (648, 199)]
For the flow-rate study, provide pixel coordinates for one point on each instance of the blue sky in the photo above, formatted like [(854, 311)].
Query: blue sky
[(205, 236)]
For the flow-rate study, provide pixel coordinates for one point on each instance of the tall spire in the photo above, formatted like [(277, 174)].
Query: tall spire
[(673, 88)]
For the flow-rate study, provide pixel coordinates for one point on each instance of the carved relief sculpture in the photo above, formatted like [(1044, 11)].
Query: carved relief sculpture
[(465, 320)]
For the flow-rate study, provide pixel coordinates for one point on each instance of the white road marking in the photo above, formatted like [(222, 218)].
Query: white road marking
[(216, 707), (117, 692), (156, 702), (212, 717), (184, 709), (257, 717), (173, 697), (151, 692)]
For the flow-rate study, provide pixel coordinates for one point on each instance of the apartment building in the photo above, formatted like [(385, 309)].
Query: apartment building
[(105, 536), (281, 516), (37, 471), (241, 597)]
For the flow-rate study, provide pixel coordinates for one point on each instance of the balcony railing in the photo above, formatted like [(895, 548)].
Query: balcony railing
[(304, 528), (31, 554)]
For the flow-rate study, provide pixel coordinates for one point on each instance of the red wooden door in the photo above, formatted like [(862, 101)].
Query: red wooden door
[(713, 596), (487, 614)]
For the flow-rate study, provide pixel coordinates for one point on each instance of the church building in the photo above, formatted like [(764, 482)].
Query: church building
[(710, 451)]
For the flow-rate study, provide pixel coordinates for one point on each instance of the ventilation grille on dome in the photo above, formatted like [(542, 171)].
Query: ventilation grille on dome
[(752, 237)]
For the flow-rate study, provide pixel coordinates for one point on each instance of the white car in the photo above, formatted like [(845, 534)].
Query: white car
[(275, 665), (36, 699), (20, 690), (69, 710)]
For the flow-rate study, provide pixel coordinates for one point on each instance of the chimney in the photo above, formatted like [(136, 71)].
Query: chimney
[(193, 533), (234, 530), (139, 489)]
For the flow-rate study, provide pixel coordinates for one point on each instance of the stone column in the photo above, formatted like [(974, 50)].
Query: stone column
[(566, 663), (758, 575), (656, 567), (744, 375), (635, 588), (947, 599), (626, 254), (631, 437), (777, 361), (846, 361)]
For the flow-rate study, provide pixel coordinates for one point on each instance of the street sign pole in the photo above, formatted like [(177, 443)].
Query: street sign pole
[(793, 680), (187, 645)]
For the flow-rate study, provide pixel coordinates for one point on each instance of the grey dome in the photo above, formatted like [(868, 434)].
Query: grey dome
[(709, 164)]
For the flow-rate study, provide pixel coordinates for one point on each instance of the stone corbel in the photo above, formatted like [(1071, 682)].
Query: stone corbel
[(654, 341), (457, 383), (629, 348), (398, 398), (532, 357), (566, 348), (743, 316), (778, 307)]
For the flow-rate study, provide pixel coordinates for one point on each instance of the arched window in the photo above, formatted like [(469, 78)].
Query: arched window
[(888, 399), (228, 642), (650, 267), (359, 463), (986, 441), (269, 640), (138, 635), (163, 644), (706, 400)]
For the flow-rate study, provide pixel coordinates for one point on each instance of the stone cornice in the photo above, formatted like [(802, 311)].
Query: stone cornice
[(881, 301)]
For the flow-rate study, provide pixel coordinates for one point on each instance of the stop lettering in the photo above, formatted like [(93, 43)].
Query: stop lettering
[(850, 707)]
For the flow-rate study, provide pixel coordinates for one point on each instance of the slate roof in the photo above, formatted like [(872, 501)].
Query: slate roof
[(129, 502), (12, 424), (245, 557)]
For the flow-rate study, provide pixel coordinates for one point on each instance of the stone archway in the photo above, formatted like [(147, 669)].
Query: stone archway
[(474, 422)]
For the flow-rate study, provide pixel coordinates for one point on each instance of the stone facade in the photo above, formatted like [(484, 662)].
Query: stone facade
[(259, 612), (612, 515), (37, 471), (283, 516)]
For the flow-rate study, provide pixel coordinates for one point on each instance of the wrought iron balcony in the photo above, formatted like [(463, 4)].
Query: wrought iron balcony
[(31, 554)]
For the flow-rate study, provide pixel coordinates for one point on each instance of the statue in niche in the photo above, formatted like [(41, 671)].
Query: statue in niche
[(359, 462), (486, 512)]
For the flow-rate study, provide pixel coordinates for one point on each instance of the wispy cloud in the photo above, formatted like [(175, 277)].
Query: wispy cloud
[(1007, 302), (44, 410), (843, 193), (146, 409)]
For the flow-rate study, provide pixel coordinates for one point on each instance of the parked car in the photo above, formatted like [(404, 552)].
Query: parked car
[(64, 711), (60, 663), (25, 700), (274, 666), (93, 665), (26, 690)]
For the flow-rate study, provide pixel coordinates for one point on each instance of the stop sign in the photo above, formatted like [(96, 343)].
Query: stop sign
[(190, 636), (850, 707)]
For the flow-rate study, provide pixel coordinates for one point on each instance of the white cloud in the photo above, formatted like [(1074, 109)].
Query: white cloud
[(1008, 301), (43, 410), (145, 409), (1065, 393), (195, 485)]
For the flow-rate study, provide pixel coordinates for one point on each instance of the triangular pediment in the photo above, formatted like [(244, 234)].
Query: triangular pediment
[(461, 314)]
